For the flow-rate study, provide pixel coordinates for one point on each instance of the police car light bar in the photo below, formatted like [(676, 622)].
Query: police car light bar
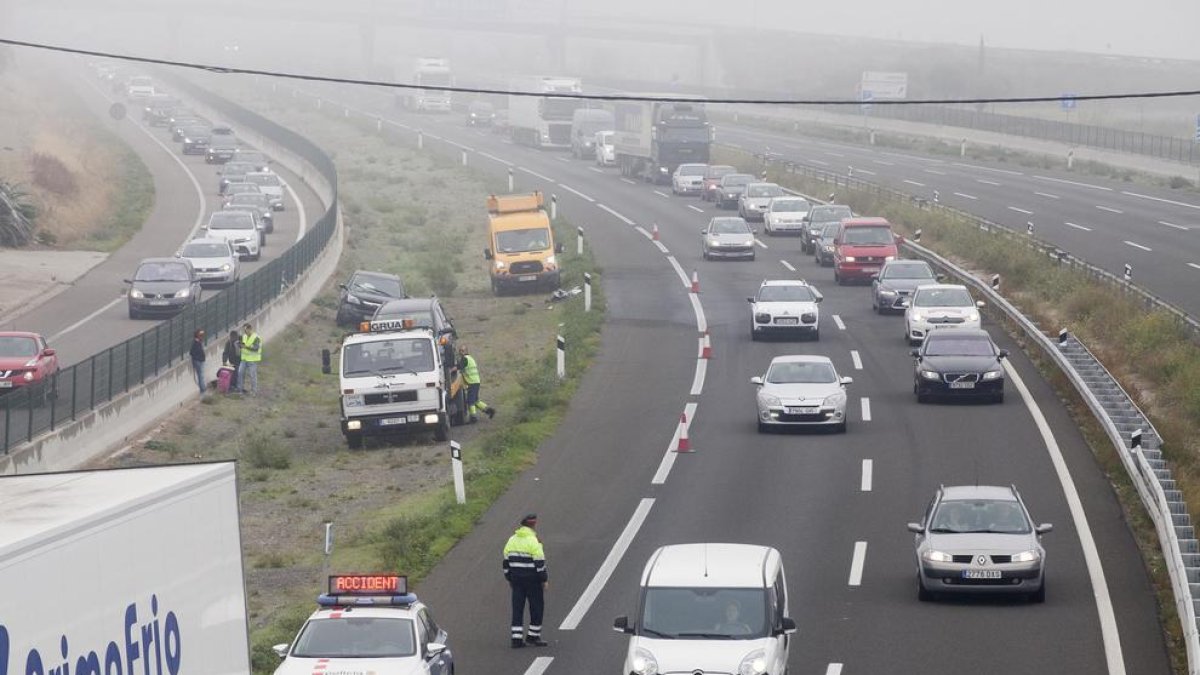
[(368, 584)]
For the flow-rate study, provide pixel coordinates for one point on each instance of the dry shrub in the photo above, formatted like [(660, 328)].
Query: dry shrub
[(50, 174)]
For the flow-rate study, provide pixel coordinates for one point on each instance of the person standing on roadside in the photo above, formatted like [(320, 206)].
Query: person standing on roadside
[(251, 356), (232, 357), (470, 371), (198, 358), (525, 570)]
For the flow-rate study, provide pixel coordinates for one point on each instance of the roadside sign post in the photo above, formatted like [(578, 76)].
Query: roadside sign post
[(587, 292), (456, 466), (561, 358), (579, 241)]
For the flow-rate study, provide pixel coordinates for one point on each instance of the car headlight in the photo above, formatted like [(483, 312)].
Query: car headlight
[(226, 267), (353, 401), (187, 140), (769, 400), (762, 317), (754, 663), (1027, 556), (184, 293), (889, 258), (886, 291), (973, 316), (712, 241), (931, 375), (834, 400), (917, 316), (551, 260), (662, 169), (135, 293), (850, 258), (643, 662), (938, 556), (500, 265), (993, 375)]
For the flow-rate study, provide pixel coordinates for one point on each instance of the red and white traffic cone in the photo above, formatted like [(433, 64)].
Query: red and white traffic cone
[(706, 346), (695, 281), (654, 232), (684, 445)]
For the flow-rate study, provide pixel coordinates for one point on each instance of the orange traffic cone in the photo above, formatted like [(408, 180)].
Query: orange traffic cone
[(684, 445), (695, 282), (706, 346), (654, 232)]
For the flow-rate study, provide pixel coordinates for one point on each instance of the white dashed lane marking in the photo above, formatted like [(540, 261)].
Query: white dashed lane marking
[(935, 172), (1009, 172), (1079, 227), (606, 568), (568, 188), (1020, 210), (1047, 195), (913, 182), (758, 242), (695, 208), (1109, 209), (986, 182), (541, 664), (868, 469), (833, 669), (856, 358), (1075, 183), (857, 563), (1160, 199), (662, 194), (618, 216), (837, 321), (965, 196), (1194, 266), (866, 409), (1138, 246), (1178, 227)]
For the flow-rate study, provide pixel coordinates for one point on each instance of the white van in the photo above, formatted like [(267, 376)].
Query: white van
[(606, 152), (713, 608), (585, 122)]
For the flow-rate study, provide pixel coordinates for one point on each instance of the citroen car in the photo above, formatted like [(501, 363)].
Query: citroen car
[(786, 215), (897, 280), (938, 307), (961, 364), (785, 306), (979, 539), (801, 390), (755, 198), (727, 237)]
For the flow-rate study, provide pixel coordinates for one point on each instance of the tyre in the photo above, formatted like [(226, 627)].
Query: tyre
[(762, 428), (496, 288), (354, 441), (753, 335), (922, 594), (816, 335), (751, 257), (998, 398), (442, 431), (1039, 596)]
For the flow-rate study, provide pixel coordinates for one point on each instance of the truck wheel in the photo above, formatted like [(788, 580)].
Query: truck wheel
[(441, 432), (354, 441), (459, 415)]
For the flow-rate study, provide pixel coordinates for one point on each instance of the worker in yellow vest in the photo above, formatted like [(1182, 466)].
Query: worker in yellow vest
[(525, 569), (251, 356), (470, 372)]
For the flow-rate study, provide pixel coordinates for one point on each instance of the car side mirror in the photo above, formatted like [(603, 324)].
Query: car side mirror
[(980, 304), (344, 287), (757, 379), (704, 230), (621, 625), (1044, 528), (940, 276), (559, 248), (326, 362), (487, 253), (818, 297), (434, 650), (915, 353), (750, 300), (787, 626), (48, 352), (875, 276), (915, 528), (281, 650), (127, 281), (847, 380), (1003, 354)]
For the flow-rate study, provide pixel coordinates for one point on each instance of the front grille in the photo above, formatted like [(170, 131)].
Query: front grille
[(946, 319), (869, 259), (960, 377), (404, 396), (158, 296), (526, 267), (1002, 558), (963, 558), (818, 417)]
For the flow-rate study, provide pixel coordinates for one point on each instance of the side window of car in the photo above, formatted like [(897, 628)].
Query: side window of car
[(781, 597), (424, 634), (929, 511), (434, 629)]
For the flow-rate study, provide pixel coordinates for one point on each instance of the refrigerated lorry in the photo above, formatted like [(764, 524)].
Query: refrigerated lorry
[(124, 571), (652, 137), (539, 121)]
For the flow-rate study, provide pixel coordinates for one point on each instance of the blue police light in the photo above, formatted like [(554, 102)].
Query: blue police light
[(405, 600)]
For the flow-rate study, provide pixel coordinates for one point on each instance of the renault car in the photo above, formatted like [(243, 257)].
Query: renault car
[(801, 390)]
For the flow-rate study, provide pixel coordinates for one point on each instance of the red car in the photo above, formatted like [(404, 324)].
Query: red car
[(25, 359), (860, 248)]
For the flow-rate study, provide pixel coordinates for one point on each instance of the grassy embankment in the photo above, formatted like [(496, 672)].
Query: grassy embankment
[(1148, 351), (392, 506)]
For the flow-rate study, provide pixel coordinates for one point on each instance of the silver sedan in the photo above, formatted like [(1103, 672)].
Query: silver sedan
[(801, 390)]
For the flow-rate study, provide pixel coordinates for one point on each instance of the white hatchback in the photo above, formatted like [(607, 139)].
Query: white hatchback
[(936, 307), (785, 306), (786, 215)]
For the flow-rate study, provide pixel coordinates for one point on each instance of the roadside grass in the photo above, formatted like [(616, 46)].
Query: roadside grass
[(976, 151), (392, 506), (129, 207), (1148, 351)]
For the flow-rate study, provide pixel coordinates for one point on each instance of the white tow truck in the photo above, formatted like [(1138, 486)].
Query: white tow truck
[(396, 378)]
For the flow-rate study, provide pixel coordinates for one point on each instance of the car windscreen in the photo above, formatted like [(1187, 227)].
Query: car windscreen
[(266, 179), (520, 241), (356, 637), (239, 188), (868, 236), (729, 226), (20, 347), (916, 270), (825, 214), (691, 169), (236, 169), (785, 294), (789, 206), (801, 372), (704, 613), (719, 171), (737, 180), (942, 297), (398, 355), (167, 271), (206, 250), (957, 345), (250, 199), (992, 516), (763, 191), (231, 220), (381, 285)]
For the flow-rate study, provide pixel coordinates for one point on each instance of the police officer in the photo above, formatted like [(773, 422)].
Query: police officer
[(470, 371), (525, 570)]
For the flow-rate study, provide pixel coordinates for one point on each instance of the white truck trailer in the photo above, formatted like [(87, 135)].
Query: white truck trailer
[(125, 571), (539, 121)]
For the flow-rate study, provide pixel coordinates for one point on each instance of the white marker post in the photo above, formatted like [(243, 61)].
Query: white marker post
[(345, 112), (579, 241), (378, 124), (328, 544), (553, 207), (464, 157), (420, 139), (460, 489), (587, 292), (562, 358), (962, 148), (511, 183), (1070, 159)]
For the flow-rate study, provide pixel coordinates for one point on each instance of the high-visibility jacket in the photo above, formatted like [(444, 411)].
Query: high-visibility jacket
[(251, 348), (524, 559), (470, 371)]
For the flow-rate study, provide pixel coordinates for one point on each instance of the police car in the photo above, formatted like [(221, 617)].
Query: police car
[(368, 624)]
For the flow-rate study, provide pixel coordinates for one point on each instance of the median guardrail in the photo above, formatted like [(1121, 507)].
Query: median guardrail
[(30, 411)]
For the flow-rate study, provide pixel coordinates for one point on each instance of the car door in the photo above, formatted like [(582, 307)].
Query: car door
[(429, 632)]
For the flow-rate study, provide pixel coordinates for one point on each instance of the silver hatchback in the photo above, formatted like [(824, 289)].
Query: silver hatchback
[(801, 390), (979, 539)]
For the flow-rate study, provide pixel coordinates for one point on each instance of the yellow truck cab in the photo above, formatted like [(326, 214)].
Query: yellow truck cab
[(521, 245)]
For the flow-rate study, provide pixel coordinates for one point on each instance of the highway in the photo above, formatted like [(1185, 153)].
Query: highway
[(609, 490), (91, 315), (1109, 223)]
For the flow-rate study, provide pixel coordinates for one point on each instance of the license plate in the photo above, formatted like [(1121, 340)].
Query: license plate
[(803, 411), (390, 421), (5, 384), (981, 574), (789, 321), (962, 385), (527, 277), (158, 303)]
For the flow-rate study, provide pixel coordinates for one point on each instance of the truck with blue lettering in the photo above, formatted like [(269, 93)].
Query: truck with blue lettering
[(123, 572)]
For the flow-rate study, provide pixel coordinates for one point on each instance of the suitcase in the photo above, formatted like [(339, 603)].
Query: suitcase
[(224, 378)]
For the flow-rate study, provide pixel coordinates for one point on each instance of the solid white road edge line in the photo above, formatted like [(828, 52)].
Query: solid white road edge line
[(1137, 245), (701, 323), (661, 246), (837, 320), (1194, 266), (934, 172), (834, 669), (539, 665), (641, 230), (606, 568), (698, 379), (883, 163), (869, 173), (535, 174), (1091, 556), (1160, 199), (687, 283), (631, 182), (866, 409), (84, 320), (787, 265), (854, 356), (1071, 182), (868, 469), (568, 188), (668, 460), (1009, 172), (856, 564), (616, 215), (965, 196)]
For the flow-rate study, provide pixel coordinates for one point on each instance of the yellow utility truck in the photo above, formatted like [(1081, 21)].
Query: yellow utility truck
[(521, 246)]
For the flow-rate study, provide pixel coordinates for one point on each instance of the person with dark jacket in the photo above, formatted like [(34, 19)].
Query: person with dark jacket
[(525, 569), (232, 356), (198, 357)]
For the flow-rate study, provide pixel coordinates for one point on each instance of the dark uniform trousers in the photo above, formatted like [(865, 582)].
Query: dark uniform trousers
[(526, 590)]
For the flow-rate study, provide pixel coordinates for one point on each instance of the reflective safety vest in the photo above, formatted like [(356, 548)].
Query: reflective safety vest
[(470, 370), (251, 348), (524, 559)]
